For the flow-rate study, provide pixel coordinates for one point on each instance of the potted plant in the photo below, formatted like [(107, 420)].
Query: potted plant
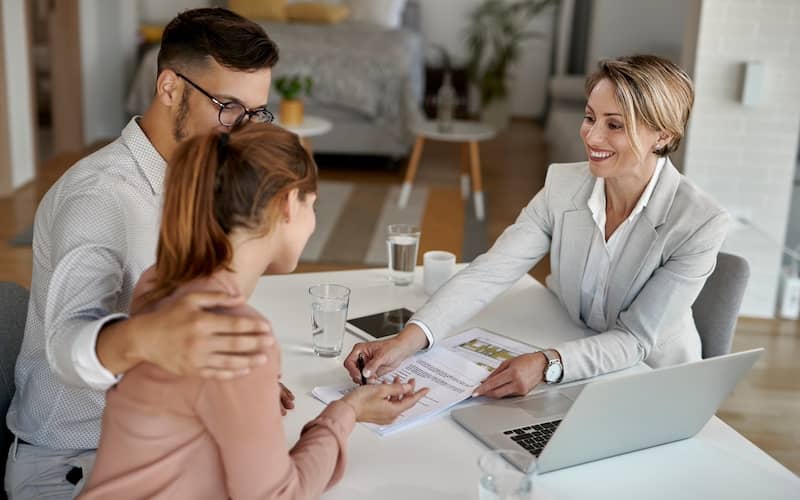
[(496, 31), (290, 88)]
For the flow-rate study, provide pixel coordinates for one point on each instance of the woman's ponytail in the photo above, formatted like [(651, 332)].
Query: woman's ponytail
[(217, 183), (191, 242)]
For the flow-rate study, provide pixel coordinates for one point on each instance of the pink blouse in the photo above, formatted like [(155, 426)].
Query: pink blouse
[(168, 436)]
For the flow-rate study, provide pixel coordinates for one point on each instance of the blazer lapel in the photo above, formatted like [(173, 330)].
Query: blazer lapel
[(641, 241), (663, 195), (576, 239)]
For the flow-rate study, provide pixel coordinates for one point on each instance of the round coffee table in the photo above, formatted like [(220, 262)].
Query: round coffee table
[(468, 134), (312, 126)]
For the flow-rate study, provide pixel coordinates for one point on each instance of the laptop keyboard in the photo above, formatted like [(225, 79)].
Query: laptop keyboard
[(533, 437)]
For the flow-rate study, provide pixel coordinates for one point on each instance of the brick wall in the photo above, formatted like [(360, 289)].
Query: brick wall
[(744, 156)]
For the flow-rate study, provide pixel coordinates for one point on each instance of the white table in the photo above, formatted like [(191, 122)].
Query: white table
[(312, 126), (437, 460), (468, 134)]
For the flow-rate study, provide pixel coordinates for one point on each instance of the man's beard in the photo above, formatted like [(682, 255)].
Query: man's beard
[(179, 129)]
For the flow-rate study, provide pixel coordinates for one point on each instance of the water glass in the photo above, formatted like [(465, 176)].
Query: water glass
[(329, 304), (502, 480), (402, 243)]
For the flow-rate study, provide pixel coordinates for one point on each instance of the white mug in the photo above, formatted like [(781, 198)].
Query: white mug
[(439, 267)]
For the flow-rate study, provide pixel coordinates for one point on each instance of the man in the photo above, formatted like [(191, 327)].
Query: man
[(96, 232)]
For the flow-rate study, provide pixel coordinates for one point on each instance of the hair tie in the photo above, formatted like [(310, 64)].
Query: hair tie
[(222, 147)]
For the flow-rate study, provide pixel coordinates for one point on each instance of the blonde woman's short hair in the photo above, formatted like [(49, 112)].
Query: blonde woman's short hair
[(651, 91)]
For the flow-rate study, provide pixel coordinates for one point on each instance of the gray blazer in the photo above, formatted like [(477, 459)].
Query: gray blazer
[(670, 252)]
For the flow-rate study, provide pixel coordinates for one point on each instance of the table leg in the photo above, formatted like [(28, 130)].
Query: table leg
[(413, 164), (464, 170), (477, 184)]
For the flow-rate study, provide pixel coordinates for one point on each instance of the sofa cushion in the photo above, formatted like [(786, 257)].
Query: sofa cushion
[(317, 12), (568, 88), (151, 33), (261, 10), (385, 13)]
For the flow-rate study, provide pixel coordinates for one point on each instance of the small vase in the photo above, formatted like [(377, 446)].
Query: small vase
[(445, 104), (291, 112)]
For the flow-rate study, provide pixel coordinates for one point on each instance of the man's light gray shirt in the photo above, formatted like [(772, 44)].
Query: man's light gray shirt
[(95, 232)]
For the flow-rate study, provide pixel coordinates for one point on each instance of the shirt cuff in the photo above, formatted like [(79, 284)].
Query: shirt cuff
[(425, 330), (572, 366), (84, 355)]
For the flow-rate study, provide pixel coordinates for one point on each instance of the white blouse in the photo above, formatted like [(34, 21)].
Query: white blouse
[(604, 254)]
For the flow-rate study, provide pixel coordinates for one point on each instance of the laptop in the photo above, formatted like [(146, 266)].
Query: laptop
[(604, 418)]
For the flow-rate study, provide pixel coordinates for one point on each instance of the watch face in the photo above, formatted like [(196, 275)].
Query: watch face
[(553, 373)]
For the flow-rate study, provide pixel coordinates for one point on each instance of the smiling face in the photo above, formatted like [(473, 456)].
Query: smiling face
[(605, 136)]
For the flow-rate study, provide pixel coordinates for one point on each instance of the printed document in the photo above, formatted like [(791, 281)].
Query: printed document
[(451, 370)]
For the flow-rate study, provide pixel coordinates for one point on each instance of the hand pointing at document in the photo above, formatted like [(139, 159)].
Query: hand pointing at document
[(382, 356)]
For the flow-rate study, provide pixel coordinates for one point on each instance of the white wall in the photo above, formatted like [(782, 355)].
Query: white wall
[(17, 102), (625, 27), (108, 50), (443, 23), (745, 156)]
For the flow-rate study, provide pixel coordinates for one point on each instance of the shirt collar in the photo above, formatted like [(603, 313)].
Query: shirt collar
[(144, 153), (597, 200), (648, 191)]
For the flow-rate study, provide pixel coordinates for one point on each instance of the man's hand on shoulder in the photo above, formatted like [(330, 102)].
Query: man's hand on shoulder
[(186, 338)]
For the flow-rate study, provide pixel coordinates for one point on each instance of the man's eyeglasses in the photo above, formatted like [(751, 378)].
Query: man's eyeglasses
[(233, 113)]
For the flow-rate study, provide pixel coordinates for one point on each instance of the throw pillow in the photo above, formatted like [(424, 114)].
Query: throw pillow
[(316, 12), (151, 33), (260, 10), (386, 13)]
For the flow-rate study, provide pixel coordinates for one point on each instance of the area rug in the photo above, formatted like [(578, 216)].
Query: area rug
[(352, 219)]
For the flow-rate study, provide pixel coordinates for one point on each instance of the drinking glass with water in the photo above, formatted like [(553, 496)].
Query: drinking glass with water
[(329, 304), (402, 243), (501, 480)]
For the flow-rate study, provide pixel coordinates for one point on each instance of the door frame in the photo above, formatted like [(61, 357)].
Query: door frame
[(66, 76)]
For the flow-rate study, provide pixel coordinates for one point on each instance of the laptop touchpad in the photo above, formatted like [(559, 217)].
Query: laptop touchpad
[(545, 405)]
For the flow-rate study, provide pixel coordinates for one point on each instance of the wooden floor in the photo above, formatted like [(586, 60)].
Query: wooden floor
[(765, 407)]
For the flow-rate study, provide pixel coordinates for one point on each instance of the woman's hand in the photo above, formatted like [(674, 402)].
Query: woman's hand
[(382, 403), (287, 400), (383, 356), (514, 377)]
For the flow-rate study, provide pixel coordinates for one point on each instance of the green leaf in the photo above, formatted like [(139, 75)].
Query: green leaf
[(290, 87), (494, 35)]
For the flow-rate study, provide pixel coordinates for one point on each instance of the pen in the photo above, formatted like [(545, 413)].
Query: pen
[(360, 365)]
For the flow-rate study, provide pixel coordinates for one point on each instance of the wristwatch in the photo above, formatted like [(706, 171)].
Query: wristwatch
[(554, 371)]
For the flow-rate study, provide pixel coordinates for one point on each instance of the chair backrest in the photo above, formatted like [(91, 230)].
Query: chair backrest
[(13, 312), (717, 307)]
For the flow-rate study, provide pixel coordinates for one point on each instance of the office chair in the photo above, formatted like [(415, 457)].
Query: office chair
[(716, 308), (13, 312)]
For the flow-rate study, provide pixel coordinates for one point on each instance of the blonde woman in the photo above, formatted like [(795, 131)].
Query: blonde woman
[(631, 243)]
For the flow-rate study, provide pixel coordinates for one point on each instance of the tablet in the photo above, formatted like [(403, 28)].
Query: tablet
[(381, 325)]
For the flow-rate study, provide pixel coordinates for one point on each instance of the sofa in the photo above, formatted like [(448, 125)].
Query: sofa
[(368, 80)]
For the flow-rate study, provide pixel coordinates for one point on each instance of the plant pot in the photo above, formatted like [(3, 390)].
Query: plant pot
[(291, 112), (497, 114)]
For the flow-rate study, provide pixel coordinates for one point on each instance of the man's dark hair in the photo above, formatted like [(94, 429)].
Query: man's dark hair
[(231, 40)]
